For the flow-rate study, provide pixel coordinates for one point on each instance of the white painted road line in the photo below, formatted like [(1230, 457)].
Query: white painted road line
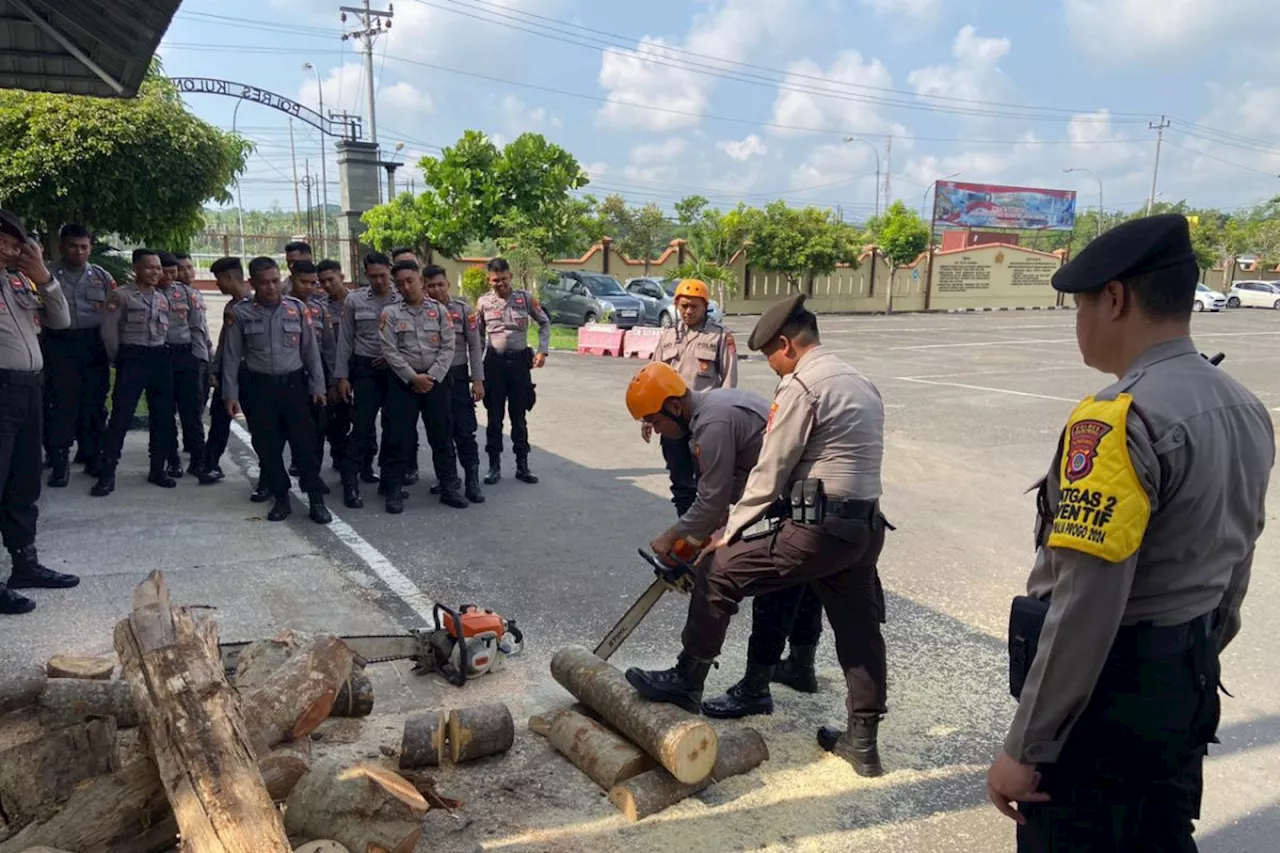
[(405, 589), (986, 388), (1008, 343)]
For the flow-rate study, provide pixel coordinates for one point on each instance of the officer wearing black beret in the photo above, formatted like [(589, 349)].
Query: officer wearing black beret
[(1147, 522), (809, 514)]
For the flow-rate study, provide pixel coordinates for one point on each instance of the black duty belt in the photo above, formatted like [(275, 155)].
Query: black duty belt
[(72, 334), (22, 377), (854, 510), (277, 379), (366, 361), (507, 355), (1147, 641)]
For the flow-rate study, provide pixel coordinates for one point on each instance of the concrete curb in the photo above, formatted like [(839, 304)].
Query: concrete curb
[(1017, 308)]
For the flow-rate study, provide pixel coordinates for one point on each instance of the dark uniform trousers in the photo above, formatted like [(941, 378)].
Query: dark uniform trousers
[(338, 431), (369, 387), (1128, 779), (464, 417), (141, 370), (507, 385), (219, 427), (404, 407), (188, 384), (21, 419), (683, 471), (794, 613), (77, 379), (838, 558), (278, 409)]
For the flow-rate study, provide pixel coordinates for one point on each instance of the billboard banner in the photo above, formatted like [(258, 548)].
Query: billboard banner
[(989, 206)]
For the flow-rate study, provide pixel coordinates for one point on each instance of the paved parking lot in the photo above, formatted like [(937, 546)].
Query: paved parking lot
[(974, 404)]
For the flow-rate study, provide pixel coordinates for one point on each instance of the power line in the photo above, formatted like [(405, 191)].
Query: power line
[(1221, 160)]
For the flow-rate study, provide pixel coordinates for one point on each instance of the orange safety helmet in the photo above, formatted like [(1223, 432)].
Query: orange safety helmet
[(694, 289), (652, 387)]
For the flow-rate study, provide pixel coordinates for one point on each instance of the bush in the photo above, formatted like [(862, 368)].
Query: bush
[(475, 283)]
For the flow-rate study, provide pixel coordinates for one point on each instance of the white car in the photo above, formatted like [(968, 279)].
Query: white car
[(1208, 299), (1253, 294)]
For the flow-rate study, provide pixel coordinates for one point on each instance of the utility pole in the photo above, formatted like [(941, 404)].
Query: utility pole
[(888, 168), (297, 200), (308, 181), (1155, 175), (373, 23), (324, 175)]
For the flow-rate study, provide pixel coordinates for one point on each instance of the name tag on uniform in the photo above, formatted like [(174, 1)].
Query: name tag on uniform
[(519, 300), (455, 317), (431, 313), (402, 327), (435, 340)]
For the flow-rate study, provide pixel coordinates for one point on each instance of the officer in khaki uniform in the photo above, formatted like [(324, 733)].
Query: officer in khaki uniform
[(30, 298), (466, 377), (417, 344), (229, 274), (1148, 519), (338, 417), (188, 342), (810, 513)]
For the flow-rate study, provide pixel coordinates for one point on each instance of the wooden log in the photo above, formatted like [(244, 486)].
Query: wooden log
[(282, 767), (43, 850), (21, 687), (193, 724), (322, 846), (73, 666), (68, 701), (37, 776), (299, 694), (604, 755), (262, 658), (681, 742), (539, 725), (739, 751), (479, 731), (424, 739), (365, 808), (355, 696)]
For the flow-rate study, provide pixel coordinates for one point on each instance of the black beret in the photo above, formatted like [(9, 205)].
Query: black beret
[(10, 224), (771, 324), (167, 259), (1139, 246)]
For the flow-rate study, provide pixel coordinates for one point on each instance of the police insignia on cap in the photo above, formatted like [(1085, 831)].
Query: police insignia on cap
[(1082, 448)]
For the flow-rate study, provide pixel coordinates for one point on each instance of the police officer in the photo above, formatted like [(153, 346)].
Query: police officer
[(704, 353), (298, 250), (398, 254), (135, 333), (338, 429), (188, 341), (1148, 518), (361, 372), (507, 363), (283, 379), (822, 455), (417, 343), (466, 377), (306, 290), (229, 275), (30, 297), (187, 275), (77, 375)]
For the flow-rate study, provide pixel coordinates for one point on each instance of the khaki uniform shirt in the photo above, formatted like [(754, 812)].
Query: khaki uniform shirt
[(467, 347), (325, 326), (506, 321), (726, 430), (826, 421), (187, 323), (86, 291), (706, 356), (1202, 447), (215, 363), (358, 328), (134, 318), (417, 339), (271, 339), (24, 309)]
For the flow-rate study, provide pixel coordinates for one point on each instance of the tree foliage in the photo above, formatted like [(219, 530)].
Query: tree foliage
[(141, 168), (900, 234), (640, 233), (794, 242)]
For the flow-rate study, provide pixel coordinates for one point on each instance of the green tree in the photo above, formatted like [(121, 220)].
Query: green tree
[(475, 283), (900, 234), (793, 242), (141, 168)]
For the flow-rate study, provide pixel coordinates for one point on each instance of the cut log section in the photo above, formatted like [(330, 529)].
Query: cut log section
[(365, 808), (355, 696), (282, 767), (480, 731), (738, 752), (423, 741), (298, 695), (260, 658), (604, 755), (325, 846), (71, 666), (21, 687), (193, 724), (68, 701), (539, 725), (681, 742), (36, 777)]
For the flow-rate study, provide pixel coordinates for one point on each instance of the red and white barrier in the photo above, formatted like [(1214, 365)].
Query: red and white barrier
[(641, 341), (600, 339)]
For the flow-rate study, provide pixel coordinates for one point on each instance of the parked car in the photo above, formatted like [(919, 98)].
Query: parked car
[(1208, 299), (669, 285), (1253, 294), (659, 305), (578, 298)]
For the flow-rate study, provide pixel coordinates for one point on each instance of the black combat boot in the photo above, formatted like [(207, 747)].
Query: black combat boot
[(209, 476), (12, 604), (260, 494), (857, 745), (173, 467), (495, 469), (319, 513), (390, 489), (451, 494), (93, 467), (681, 685), (293, 470), (749, 696), (367, 475), (81, 457), (522, 469), (797, 670), (106, 480), (196, 467), (29, 574), (351, 498), (61, 473), (435, 490), (411, 476), (473, 485), (281, 509), (160, 477)]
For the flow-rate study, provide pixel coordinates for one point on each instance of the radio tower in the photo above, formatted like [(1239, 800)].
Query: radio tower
[(373, 23)]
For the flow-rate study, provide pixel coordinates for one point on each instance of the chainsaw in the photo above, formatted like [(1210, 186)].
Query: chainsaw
[(463, 644), (678, 576)]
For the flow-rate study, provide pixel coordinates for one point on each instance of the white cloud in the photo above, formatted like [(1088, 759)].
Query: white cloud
[(1155, 29), (521, 118), (817, 112), (916, 10), (402, 97), (655, 162), (345, 89), (974, 76), (743, 150)]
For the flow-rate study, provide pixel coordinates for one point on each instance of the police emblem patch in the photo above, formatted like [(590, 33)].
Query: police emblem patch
[(1082, 448)]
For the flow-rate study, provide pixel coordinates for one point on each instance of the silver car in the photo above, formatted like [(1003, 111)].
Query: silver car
[(658, 296), (1208, 299)]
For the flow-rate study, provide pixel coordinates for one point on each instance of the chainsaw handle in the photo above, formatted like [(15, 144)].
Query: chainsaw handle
[(459, 676), (671, 574)]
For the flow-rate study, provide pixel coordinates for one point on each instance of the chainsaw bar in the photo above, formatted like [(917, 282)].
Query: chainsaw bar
[(371, 648)]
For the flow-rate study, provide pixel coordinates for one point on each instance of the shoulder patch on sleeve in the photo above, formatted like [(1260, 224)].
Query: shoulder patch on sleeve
[(1103, 509)]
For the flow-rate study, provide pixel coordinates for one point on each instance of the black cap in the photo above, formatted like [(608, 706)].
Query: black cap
[(1140, 246), (10, 224), (775, 319), (167, 259)]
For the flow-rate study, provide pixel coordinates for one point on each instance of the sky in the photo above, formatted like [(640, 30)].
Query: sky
[(752, 100)]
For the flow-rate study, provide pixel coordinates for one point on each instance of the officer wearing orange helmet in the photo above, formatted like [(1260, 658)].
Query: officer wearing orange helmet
[(704, 354)]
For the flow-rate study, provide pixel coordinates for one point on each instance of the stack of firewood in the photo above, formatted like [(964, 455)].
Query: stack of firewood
[(646, 755), (221, 764)]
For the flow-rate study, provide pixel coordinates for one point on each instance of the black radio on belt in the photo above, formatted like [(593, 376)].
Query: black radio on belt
[(808, 501)]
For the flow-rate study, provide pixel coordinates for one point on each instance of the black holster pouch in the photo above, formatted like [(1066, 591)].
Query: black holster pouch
[(533, 389), (1026, 621), (808, 502)]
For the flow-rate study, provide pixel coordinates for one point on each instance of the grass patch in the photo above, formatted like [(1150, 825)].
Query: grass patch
[(562, 337)]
